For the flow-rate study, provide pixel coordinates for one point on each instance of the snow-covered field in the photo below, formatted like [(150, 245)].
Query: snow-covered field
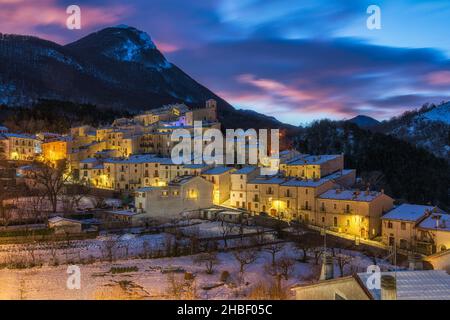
[(149, 282)]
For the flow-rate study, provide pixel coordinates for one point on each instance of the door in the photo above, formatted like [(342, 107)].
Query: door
[(391, 241)]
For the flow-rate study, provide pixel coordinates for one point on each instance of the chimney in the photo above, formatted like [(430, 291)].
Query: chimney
[(327, 271), (388, 287)]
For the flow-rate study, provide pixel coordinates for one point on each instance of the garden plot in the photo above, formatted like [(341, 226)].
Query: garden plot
[(212, 229), (103, 247), (156, 278)]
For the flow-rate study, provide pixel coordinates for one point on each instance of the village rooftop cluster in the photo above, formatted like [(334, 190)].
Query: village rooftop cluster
[(131, 158)]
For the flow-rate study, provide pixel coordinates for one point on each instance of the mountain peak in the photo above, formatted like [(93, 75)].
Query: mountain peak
[(364, 121), (123, 43)]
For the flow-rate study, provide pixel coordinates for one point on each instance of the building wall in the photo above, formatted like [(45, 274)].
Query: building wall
[(403, 232), (55, 150), (22, 148), (222, 185), (359, 218), (166, 203), (238, 192)]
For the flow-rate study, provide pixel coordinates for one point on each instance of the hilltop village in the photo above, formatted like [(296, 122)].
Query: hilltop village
[(128, 166)]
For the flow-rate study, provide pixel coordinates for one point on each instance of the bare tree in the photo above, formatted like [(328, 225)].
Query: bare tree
[(181, 289), (226, 229), (273, 249), (286, 266), (342, 260), (208, 259), (6, 213), (306, 242), (97, 199), (51, 179), (109, 249), (245, 258)]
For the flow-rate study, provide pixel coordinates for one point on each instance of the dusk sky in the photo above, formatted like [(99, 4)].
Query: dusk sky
[(295, 60)]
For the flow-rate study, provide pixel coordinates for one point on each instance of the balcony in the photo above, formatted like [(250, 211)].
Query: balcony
[(306, 208)]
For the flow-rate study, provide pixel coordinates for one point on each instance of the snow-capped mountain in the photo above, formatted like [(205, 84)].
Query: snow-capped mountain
[(115, 67), (440, 113), (124, 44), (428, 128)]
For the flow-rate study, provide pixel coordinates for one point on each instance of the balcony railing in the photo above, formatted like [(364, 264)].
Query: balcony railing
[(306, 208)]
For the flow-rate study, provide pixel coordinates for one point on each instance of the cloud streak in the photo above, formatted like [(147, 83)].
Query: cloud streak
[(295, 60)]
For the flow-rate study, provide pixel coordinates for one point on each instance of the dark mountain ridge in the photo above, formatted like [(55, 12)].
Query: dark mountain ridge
[(117, 67)]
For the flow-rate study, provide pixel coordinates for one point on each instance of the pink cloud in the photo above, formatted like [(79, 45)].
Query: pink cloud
[(439, 78), (276, 88), (166, 47), (27, 17)]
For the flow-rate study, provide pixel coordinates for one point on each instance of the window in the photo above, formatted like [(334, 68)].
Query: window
[(306, 191), (323, 219), (335, 222), (389, 225), (403, 226), (334, 206), (348, 223)]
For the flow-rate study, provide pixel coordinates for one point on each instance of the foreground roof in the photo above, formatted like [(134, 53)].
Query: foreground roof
[(416, 285)]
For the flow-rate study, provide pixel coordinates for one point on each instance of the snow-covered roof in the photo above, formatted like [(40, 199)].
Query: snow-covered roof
[(415, 285), (141, 158), (18, 135), (195, 166), (268, 180), (146, 189), (246, 170), (89, 160), (314, 160), (436, 221), (217, 170), (351, 195), (407, 212), (318, 182), (59, 219), (182, 180)]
